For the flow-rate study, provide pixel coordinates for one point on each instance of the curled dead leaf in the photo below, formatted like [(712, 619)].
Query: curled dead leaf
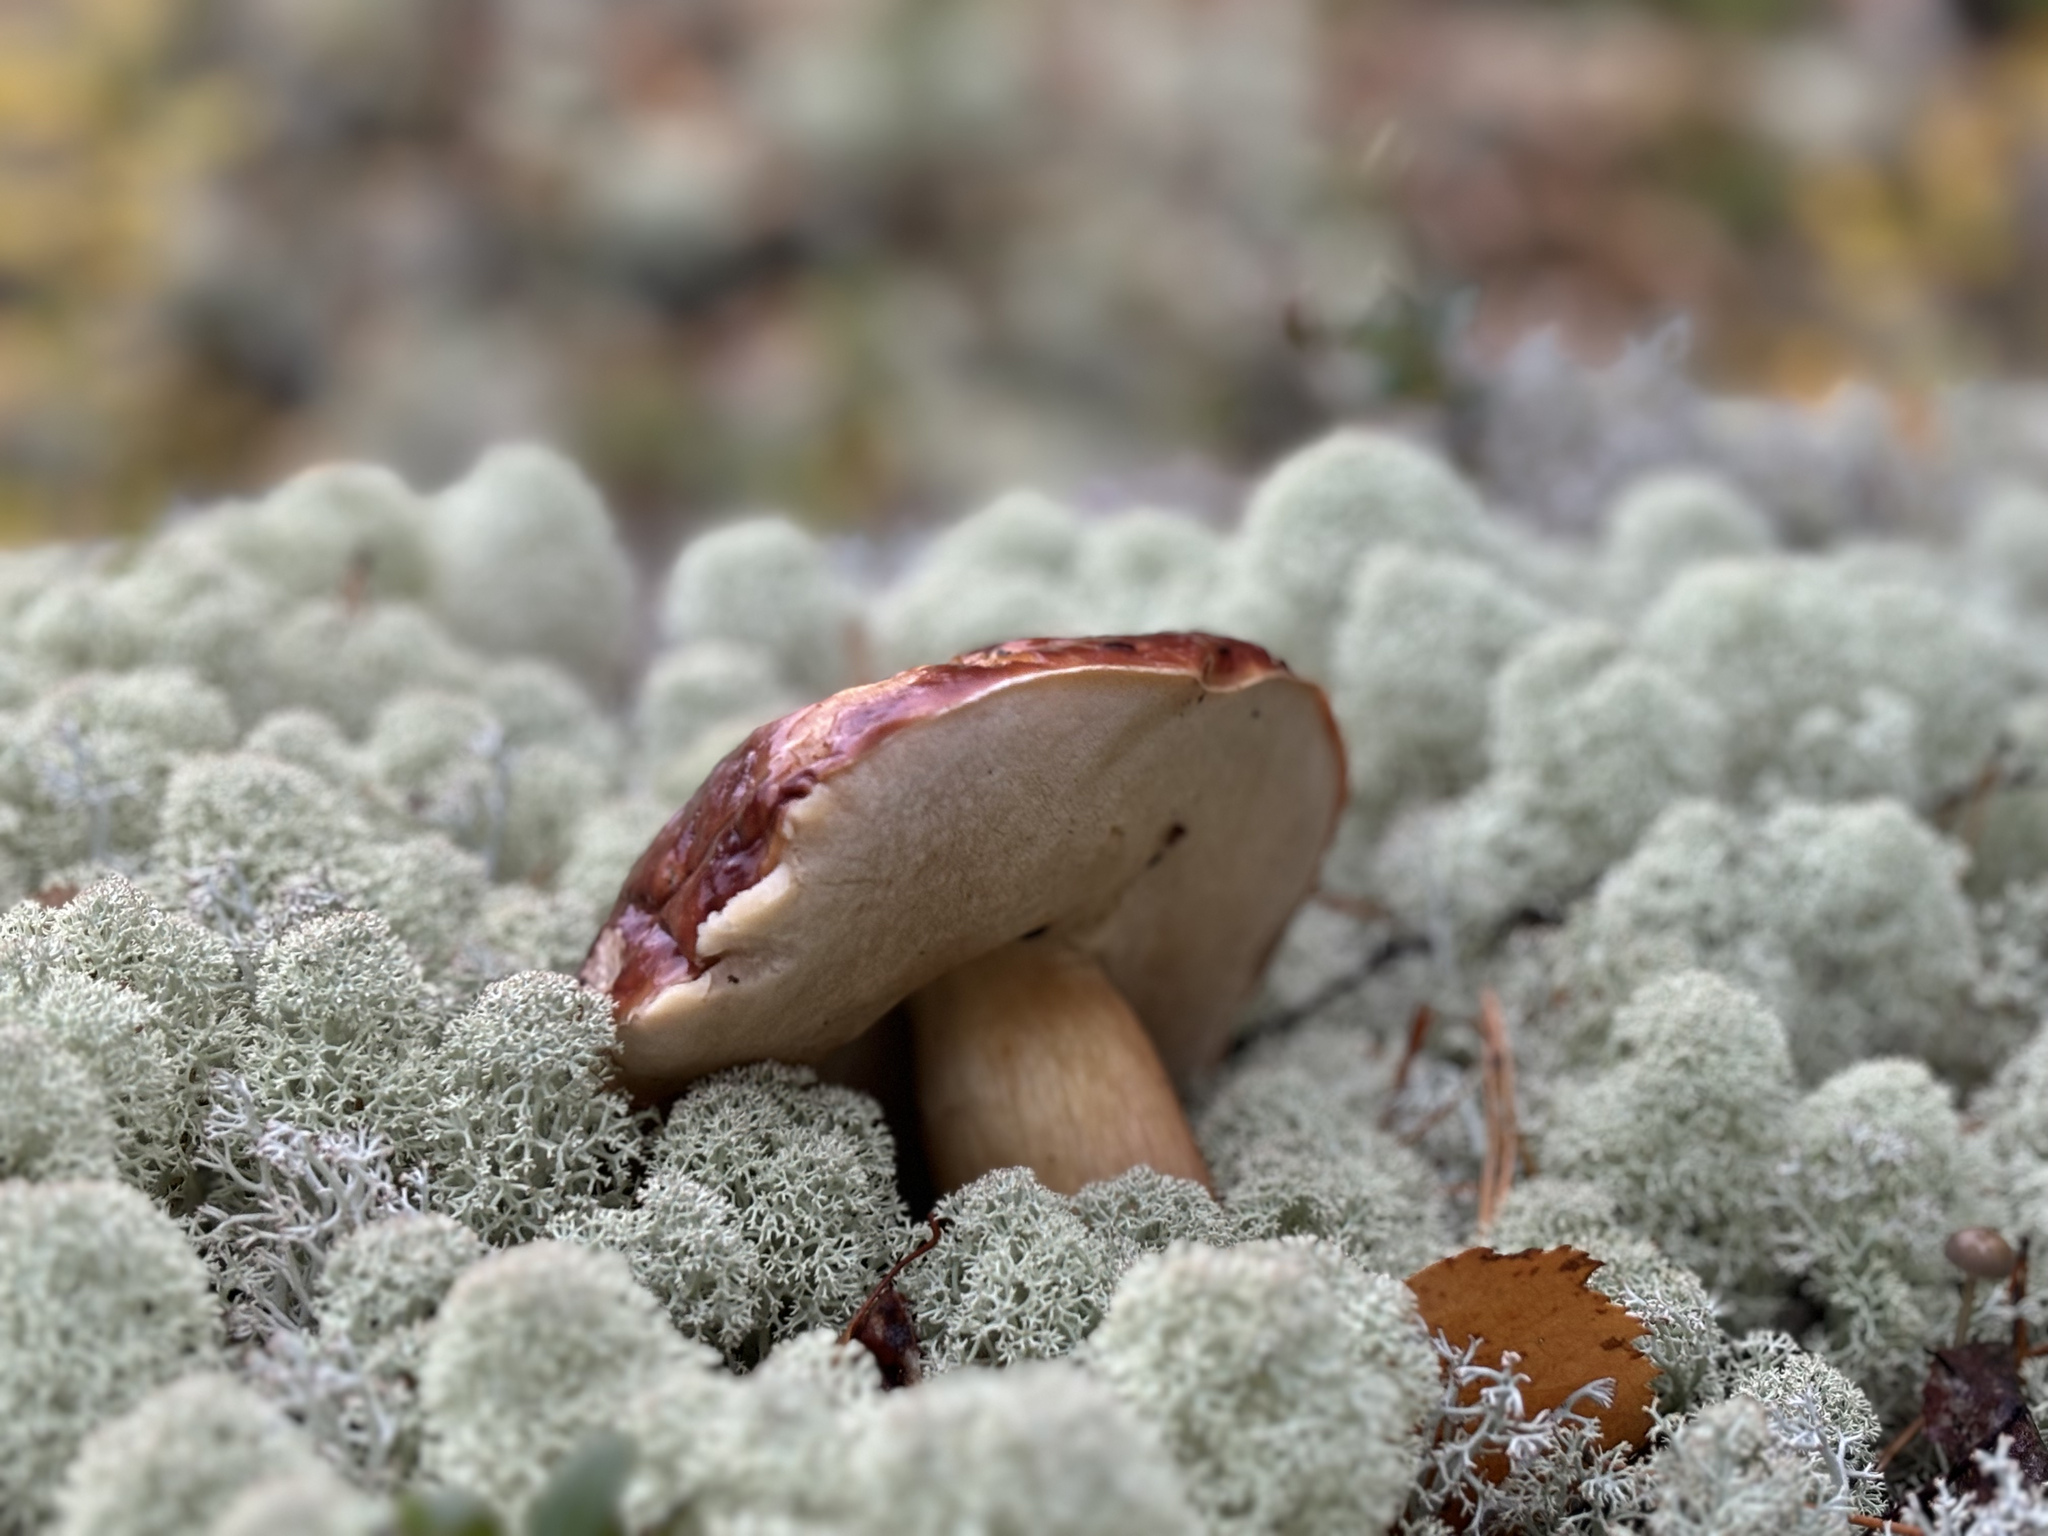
[(1974, 1398), (884, 1326), (1537, 1303)]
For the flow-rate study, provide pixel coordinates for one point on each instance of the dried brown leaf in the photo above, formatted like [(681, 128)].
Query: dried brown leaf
[(1972, 1399), (886, 1329), (885, 1326), (1537, 1303)]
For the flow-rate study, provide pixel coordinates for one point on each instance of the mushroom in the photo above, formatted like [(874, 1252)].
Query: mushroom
[(1070, 858), (1981, 1253)]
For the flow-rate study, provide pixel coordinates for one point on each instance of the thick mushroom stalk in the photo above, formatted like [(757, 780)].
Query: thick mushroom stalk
[(1029, 1056), (1072, 857)]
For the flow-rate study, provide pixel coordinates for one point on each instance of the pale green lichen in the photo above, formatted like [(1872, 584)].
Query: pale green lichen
[(1687, 1127), (1847, 920), (1767, 640), (546, 790), (608, 840), (125, 1043), (1002, 572), (185, 603), (686, 1245), (274, 1197), (535, 1350), (1322, 1082), (1319, 511), (1412, 660), (1799, 1386), (101, 1299), (1879, 1174), (1017, 1276), (1285, 1383), (1042, 1447), (355, 1383), (2013, 1106), (542, 704), (312, 1502), (1545, 1210), (1588, 742), (527, 562), (444, 755), (324, 998), (457, 768), (526, 1126), (178, 1459), (341, 1027), (265, 820), (113, 931), (2007, 544), (694, 687), (426, 888), (330, 656), (1145, 571), (1377, 1200), (1294, 1136), (519, 928), (1725, 1474), (2005, 815), (331, 527), (1144, 1211), (73, 625), (1667, 521), (87, 765), (391, 1276), (764, 582), (54, 1122), (809, 1170), (782, 1444)]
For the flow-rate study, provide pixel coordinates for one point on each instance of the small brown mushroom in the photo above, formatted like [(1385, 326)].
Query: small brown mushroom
[(1070, 857), (1981, 1253)]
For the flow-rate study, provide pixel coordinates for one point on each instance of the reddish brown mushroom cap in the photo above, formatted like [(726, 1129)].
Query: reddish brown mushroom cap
[(1159, 802)]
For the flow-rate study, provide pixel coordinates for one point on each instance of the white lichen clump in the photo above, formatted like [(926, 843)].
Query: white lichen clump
[(533, 1352), (1707, 878), (101, 1300), (1285, 1382)]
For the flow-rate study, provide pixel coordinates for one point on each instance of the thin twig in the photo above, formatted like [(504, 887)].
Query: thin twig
[(939, 1225), (1970, 825), (1497, 1093), (2015, 1293), (1364, 909), (1900, 1441), (1894, 1527), (1433, 1119), (1952, 806), (355, 582), (1418, 1031), (1392, 948)]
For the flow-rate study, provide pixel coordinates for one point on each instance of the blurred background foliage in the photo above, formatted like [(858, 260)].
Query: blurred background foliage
[(869, 259)]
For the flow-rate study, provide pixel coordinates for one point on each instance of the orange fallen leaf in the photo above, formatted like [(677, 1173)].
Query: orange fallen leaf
[(1537, 1303)]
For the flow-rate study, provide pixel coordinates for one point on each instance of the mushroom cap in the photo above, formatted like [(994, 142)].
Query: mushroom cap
[(1159, 802), (1980, 1252)]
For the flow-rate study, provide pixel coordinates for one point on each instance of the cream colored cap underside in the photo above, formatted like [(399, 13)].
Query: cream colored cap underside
[(1051, 803)]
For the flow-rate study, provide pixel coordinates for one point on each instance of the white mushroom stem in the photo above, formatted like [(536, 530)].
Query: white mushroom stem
[(1029, 1057)]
